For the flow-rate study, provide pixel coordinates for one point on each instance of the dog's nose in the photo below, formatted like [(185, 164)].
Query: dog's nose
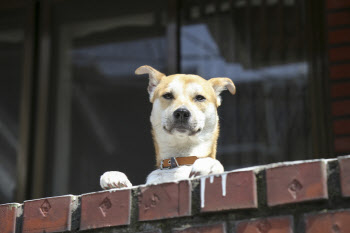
[(182, 114)]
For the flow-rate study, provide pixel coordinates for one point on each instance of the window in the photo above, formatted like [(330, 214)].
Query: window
[(268, 120), (102, 109), (11, 67), (72, 108)]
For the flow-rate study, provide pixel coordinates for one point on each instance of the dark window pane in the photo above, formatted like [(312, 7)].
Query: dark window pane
[(260, 45), (102, 111), (11, 55)]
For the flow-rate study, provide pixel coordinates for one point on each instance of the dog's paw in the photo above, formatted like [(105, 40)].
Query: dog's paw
[(206, 166), (114, 179)]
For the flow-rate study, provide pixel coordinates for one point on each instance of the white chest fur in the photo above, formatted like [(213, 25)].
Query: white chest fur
[(166, 175), (202, 166)]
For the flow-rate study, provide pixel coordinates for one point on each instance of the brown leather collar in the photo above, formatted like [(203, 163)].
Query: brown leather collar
[(177, 161)]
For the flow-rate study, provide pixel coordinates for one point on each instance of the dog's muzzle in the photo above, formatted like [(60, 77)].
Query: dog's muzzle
[(180, 122)]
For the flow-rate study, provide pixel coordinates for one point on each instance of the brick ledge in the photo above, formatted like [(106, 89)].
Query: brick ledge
[(289, 196)]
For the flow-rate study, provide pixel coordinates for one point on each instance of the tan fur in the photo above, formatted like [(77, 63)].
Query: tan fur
[(156, 148), (215, 142), (187, 79)]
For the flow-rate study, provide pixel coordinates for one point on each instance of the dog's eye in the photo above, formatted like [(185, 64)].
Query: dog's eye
[(168, 96), (199, 98)]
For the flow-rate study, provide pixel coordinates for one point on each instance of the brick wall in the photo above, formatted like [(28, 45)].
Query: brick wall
[(338, 27), (304, 196)]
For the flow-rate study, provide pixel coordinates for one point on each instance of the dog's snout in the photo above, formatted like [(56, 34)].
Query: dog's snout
[(182, 114)]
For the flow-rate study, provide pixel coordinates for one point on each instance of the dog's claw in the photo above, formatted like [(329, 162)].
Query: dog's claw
[(194, 174)]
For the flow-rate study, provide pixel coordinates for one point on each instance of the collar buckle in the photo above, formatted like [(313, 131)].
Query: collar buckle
[(173, 162)]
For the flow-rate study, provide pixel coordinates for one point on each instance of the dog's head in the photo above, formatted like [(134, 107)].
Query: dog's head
[(184, 105)]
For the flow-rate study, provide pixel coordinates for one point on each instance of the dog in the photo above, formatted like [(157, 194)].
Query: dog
[(185, 127)]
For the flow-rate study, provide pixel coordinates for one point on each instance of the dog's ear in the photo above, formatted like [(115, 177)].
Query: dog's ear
[(221, 84), (154, 78)]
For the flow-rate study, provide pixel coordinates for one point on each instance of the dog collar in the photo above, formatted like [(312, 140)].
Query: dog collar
[(177, 161)]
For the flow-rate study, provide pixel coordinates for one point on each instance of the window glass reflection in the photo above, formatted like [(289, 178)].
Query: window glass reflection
[(11, 55), (102, 112), (268, 119)]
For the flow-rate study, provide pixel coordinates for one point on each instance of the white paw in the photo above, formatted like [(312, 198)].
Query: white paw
[(206, 166), (114, 179)]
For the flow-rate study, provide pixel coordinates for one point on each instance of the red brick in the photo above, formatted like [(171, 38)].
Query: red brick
[(105, 209), (8, 213), (342, 144), (341, 126), (339, 18), (332, 222), (236, 191), (344, 164), (166, 200), (266, 225), (212, 228), (339, 54), (48, 214), (296, 183), (340, 71), (339, 36), (341, 108), (333, 4), (340, 89)]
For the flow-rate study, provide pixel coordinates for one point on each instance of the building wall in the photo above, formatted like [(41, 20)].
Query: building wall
[(338, 27)]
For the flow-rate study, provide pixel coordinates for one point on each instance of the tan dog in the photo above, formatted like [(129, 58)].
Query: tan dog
[(185, 127)]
